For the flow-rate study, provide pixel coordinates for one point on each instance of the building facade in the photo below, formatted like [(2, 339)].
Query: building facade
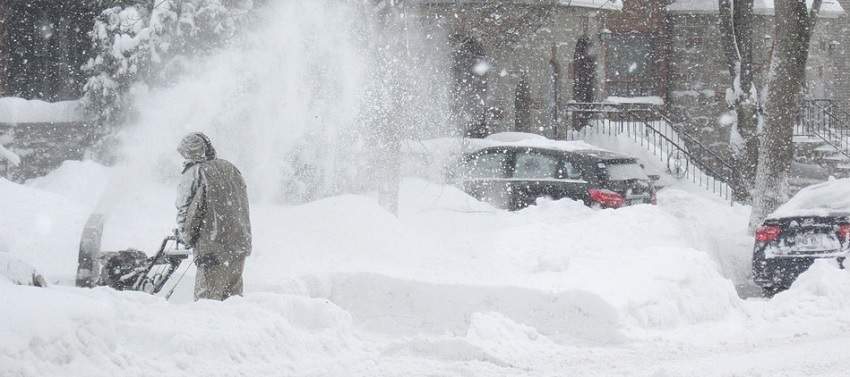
[(665, 52), (699, 76), (514, 64), (43, 45)]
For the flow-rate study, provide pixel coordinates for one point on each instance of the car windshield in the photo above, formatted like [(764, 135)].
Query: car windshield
[(625, 170)]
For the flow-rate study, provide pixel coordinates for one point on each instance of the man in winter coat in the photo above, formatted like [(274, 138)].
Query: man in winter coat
[(212, 218)]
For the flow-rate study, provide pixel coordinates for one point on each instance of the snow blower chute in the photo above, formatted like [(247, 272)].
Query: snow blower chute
[(128, 269)]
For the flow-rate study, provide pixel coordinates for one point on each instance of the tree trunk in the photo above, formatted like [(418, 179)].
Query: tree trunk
[(736, 34), (793, 27)]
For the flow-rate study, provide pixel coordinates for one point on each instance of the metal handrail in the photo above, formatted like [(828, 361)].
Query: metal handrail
[(693, 141), (818, 118), (672, 141), (703, 150)]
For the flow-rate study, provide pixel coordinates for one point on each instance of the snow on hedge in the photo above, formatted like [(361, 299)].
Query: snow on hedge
[(141, 43)]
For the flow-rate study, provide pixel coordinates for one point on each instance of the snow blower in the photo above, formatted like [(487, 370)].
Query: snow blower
[(128, 269)]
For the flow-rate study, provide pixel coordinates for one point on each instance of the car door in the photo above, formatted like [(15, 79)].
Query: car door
[(544, 174), (486, 176)]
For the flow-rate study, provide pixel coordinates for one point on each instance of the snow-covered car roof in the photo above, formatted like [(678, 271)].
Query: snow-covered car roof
[(828, 9), (823, 199), (529, 140)]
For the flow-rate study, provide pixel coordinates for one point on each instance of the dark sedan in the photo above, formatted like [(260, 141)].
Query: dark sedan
[(814, 224), (514, 177)]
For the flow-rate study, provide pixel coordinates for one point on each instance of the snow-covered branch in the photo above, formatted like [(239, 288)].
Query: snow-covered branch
[(141, 42)]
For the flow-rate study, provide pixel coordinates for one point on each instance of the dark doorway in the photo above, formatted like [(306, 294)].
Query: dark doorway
[(522, 105), (553, 97), (470, 69), (584, 71)]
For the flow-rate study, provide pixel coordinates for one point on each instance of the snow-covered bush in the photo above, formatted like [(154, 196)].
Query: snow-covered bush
[(145, 43)]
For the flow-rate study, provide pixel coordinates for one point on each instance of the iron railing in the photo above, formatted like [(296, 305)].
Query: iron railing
[(684, 157), (821, 119)]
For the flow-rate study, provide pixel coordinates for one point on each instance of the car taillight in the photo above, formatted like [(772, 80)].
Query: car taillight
[(766, 233), (843, 232), (606, 198)]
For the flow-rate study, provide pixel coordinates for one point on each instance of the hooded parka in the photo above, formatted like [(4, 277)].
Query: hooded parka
[(212, 211)]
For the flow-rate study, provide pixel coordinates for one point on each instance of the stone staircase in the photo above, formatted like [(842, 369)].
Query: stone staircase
[(821, 144)]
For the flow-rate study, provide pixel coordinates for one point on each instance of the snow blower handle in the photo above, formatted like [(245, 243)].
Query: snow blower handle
[(175, 236)]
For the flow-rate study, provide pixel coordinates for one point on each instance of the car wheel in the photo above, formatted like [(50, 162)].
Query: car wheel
[(769, 292)]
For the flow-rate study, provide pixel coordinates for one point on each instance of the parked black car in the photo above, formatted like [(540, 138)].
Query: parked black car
[(814, 224), (514, 177)]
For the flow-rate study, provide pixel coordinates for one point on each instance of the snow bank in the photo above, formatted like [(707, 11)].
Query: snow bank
[(823, 288), (714, 227), (822, 199), (404, 307), (446, 244), (83, 182), (14, 271), (816, 305), (341, 287), (62, 332), (18, 110), (41, 228)]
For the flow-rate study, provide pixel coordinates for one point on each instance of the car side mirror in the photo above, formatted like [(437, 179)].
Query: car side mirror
[(654, 177)]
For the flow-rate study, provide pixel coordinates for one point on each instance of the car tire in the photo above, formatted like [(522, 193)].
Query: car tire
[(769, 292)]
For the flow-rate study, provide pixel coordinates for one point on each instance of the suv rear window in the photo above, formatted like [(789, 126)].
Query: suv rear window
[(625, 170)]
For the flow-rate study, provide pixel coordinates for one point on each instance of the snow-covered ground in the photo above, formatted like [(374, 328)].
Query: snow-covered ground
[(339, 287)]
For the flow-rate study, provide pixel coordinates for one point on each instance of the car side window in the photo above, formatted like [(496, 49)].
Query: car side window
[(488, 165), (535, 166), (570, 171)]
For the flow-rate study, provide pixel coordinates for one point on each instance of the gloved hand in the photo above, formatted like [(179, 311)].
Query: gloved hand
[(180, 237), (205, 261)]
